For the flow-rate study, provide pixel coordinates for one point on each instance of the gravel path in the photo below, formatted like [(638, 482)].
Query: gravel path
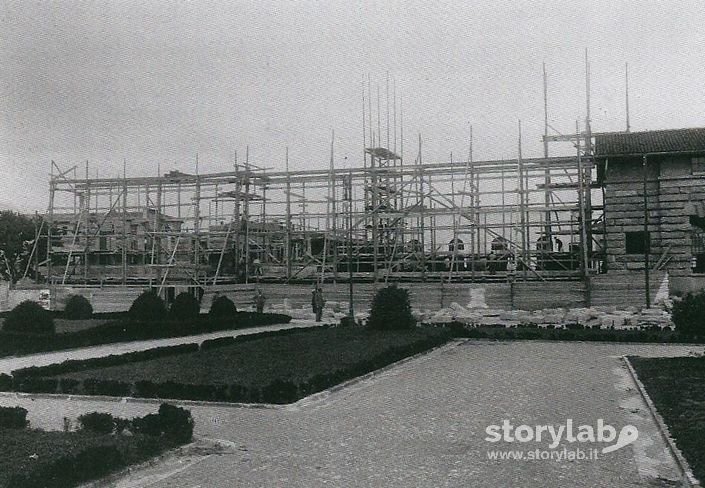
[(421, 424)]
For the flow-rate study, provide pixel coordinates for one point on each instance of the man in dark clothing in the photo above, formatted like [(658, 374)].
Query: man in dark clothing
[(317, 303), (559, 245), (259, 301)]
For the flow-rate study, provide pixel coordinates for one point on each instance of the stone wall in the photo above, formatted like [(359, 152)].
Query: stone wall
[(671, 193)]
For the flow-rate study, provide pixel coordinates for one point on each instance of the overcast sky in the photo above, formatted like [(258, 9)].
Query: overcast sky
[(156, 82)]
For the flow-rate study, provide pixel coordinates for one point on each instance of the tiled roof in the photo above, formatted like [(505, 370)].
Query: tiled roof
[(674, 140)]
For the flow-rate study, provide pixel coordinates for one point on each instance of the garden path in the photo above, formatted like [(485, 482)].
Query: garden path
[(421, 424)]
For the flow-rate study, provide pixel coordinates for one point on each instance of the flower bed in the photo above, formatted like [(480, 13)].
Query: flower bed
[(270, 367)]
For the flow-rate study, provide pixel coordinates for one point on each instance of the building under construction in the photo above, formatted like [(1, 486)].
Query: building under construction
[(594, 220), (585, 219), (385, 220)]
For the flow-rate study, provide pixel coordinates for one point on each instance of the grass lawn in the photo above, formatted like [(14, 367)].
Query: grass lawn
[(71, 334), (26, 451), (677, 388), (295, 357)]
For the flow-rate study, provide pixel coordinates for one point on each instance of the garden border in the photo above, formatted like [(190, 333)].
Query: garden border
[(315, 397), (683, 466)]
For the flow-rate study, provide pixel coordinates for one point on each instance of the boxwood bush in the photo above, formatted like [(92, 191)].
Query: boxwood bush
[(102, 423), (78, 308), (148, 307), (222, 307), (391, 309), (185, 307), (688, 314), (13, 417), (174, 423), (29, 318)]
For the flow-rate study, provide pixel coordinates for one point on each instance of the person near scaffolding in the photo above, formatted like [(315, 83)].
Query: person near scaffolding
[(492, 262), (257, 267), (317, 303), (511, 269), (559, 245), (241, 267), (259, 301)]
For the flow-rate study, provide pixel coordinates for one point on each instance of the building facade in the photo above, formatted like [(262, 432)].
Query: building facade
[(654, 200)]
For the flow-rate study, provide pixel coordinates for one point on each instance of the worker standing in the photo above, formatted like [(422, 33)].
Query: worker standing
[(317, 303), (259, 301)]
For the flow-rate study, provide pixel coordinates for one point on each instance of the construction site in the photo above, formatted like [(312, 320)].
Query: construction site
[(530, 232)]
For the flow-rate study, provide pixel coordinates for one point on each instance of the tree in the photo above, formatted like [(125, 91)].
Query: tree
[(17, 234)]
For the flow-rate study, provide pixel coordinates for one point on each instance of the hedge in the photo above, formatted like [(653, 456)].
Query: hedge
[(70, 470), (29, 319), (174, 423), (99, 422), (74, 365), (575, 332), (170, 427), (13, 417), (280, 391), (125, 330)]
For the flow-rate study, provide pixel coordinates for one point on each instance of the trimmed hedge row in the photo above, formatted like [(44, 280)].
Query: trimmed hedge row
[(75, 365), (44, 379), (127, 330), (174, 423), (573, 332)]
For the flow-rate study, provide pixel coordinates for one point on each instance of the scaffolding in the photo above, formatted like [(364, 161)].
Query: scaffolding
[(451, 221), (385, 220)]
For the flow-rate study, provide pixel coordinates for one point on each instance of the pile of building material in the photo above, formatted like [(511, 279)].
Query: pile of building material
[(333, 311), (594, 317)]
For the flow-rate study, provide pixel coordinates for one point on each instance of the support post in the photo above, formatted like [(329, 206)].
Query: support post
[(522, 210), (52, 193), (124, 223), (647, 243), (584, 261), (348, 190)]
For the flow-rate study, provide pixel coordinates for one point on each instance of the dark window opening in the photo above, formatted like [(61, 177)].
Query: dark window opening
[(636, 242)]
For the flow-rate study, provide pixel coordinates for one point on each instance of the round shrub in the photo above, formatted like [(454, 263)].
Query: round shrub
[(185, 307), (13, 417), (222, 307), (101, 423), (29, 318), (78, 308), (148, 307), (688, 314), (173, 422), (391, 309)]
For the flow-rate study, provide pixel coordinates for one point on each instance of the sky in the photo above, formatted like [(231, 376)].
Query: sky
[(155, 83)]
